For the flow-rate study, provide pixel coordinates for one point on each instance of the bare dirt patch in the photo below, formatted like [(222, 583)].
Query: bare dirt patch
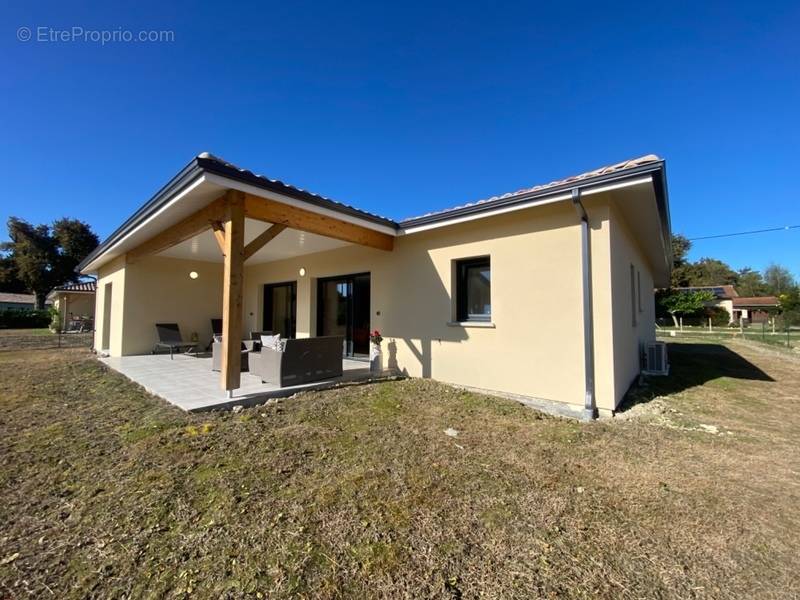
[(106, 491)]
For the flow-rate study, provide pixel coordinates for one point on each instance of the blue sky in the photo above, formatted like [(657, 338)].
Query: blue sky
[(404, 108)]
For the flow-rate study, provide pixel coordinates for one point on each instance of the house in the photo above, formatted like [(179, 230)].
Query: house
[(74, 303), (754, 309), (723, 296), (545, 293), (9, 301)]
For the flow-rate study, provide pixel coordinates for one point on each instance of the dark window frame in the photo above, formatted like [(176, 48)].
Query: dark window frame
[(462, 267), (349, 279), (266, 312)]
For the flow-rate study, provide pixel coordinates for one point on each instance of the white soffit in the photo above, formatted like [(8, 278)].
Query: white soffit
[(288, 244), (137, 235)]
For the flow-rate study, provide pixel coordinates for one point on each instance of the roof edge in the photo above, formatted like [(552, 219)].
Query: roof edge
[(524, 197), (182, 179), (218, 166)]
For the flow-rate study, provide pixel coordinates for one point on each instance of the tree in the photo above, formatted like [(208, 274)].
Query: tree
[(679, 303), (789, 307), (711, 271), (750, 283), (46, 256), (778, 280), (9, 277), (680, 265)]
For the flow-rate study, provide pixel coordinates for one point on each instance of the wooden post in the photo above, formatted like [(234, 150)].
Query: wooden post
[(232, 284), (710, 330), (681, 323)]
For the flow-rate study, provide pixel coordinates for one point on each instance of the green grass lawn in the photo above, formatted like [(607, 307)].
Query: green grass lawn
[(108, 492), (24, 332)]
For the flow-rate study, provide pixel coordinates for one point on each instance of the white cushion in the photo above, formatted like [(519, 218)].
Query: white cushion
[(272, 342)]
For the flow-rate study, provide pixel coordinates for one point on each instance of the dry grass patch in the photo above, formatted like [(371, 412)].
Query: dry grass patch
[(357, 492)]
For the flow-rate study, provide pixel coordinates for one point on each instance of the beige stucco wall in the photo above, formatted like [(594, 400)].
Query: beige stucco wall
[(535, 347), (159, 290), (727, 305), (71, 305), (156, 290), (627, 337), (109, 318)]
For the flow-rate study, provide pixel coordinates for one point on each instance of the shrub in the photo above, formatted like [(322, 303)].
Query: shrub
[(719, 316), (13, 318)]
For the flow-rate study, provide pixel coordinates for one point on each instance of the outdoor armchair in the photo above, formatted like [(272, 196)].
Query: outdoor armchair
[(169, 337)]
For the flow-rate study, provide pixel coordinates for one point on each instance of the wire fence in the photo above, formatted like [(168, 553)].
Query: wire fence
[(765, 333), (41, 339)]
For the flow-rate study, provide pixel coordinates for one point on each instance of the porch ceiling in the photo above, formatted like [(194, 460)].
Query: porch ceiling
[(289, 243)]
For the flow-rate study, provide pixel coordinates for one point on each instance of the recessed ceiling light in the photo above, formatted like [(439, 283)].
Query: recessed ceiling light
[(193, 275)]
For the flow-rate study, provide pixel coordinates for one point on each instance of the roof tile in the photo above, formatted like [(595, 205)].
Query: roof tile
[(620, 166)]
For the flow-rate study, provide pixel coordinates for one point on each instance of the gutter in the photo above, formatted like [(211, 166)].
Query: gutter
[(589, 404), (652, 168)]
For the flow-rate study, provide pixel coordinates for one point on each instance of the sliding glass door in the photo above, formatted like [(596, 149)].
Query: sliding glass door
[(280, 308), (343, 309)]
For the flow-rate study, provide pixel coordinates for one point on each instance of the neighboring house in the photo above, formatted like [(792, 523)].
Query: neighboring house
[(17, 301), (74, 302), (723, 294), (755, 309), (545, 293)]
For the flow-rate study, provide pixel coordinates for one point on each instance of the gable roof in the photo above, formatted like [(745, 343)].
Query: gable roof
[(12, 298), (213, 164), (217, 171), (743, 302), (81, 286), (567, 182), (722, 292)]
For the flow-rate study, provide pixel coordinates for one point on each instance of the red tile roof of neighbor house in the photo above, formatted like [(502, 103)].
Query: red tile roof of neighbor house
[(743, 302), (617, 167), (83, 286)]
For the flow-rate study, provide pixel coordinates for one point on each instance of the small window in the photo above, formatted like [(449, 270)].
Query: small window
[(473, 290), (639, 289), (633, 296)]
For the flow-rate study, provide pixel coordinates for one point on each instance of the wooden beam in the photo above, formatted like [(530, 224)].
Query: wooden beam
[(270, 211), (262, 240), (219, 235), (180, 232), (232, 284)]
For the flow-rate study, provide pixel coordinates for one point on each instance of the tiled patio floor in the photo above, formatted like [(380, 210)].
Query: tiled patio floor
[(189, 382)]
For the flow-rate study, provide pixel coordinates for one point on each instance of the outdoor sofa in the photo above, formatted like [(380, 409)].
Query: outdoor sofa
[(247, 347), (300, 361)]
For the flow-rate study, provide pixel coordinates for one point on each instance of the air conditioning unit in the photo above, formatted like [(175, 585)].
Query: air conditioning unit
[(655, 359)]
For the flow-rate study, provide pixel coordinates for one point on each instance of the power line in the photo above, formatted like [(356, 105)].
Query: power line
[(724, 235)]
